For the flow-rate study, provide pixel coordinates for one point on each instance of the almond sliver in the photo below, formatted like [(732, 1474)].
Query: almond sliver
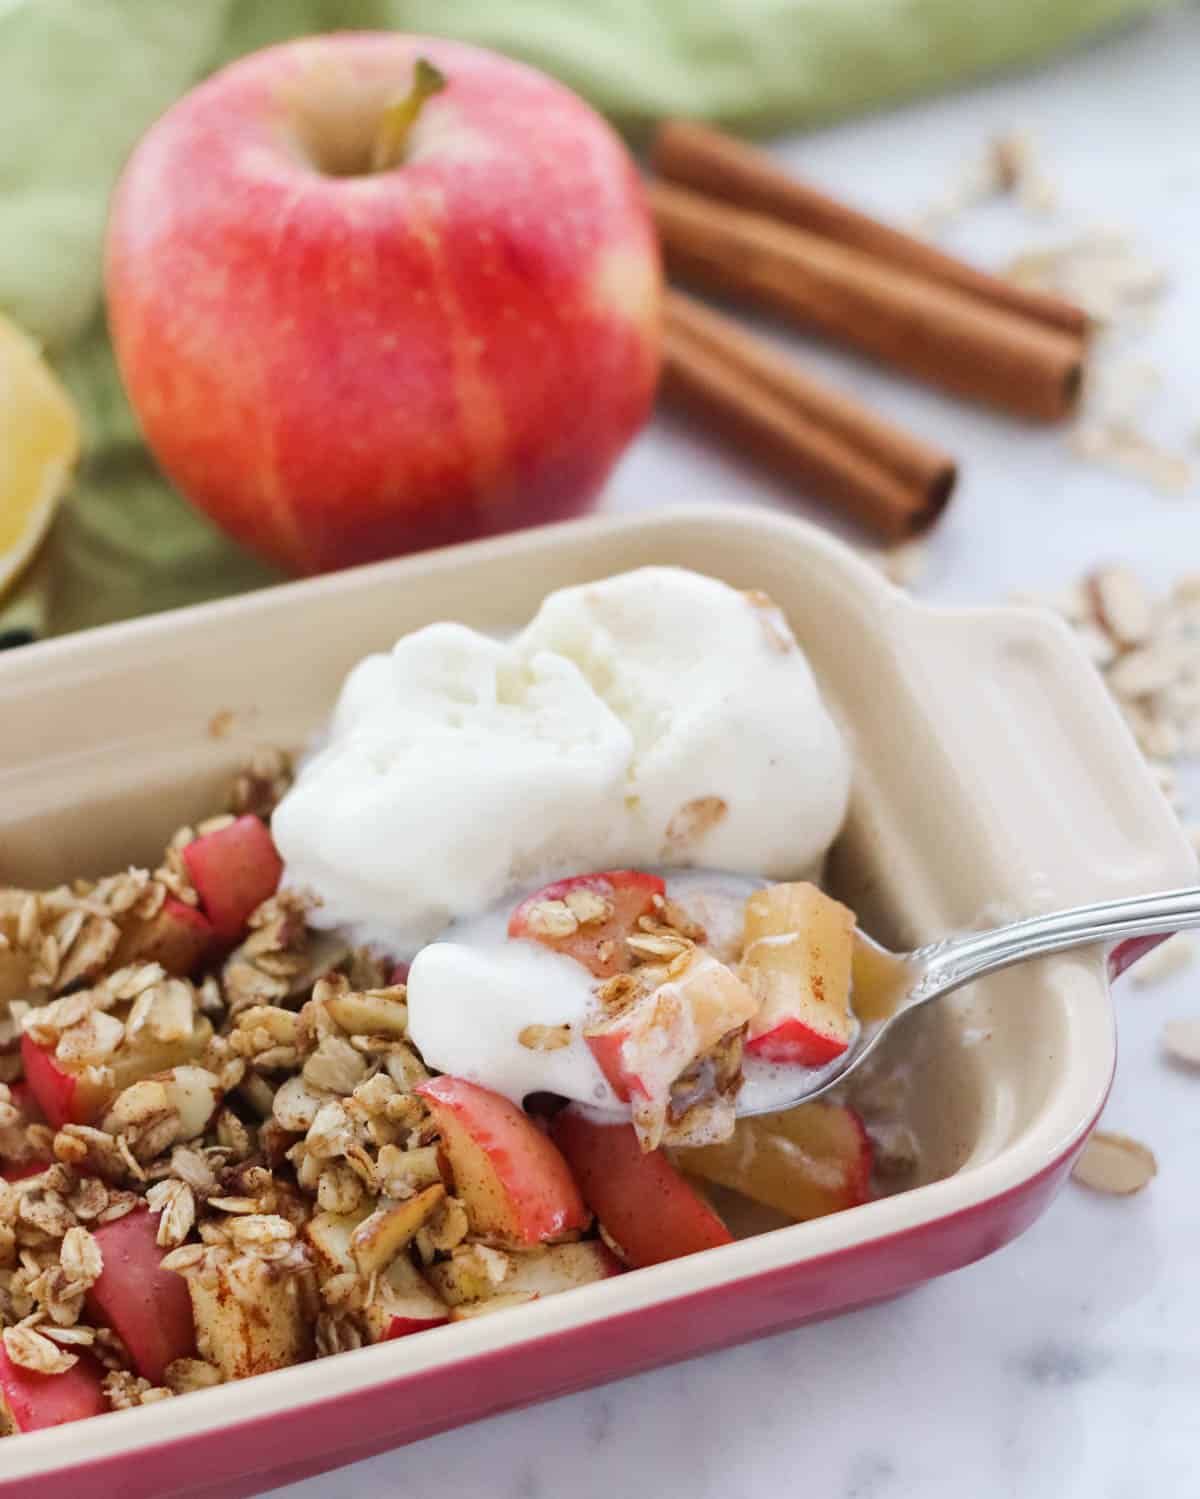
[(1115, 1164)]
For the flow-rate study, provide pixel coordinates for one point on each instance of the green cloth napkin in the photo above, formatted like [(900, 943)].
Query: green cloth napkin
[(80, 80)]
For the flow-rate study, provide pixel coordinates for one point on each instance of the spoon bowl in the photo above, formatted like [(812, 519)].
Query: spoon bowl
[(887, 985)]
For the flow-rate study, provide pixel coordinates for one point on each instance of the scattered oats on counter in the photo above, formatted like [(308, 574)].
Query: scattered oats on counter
[(1115, 1164), (1008, 166), (1148, 651), (1103, 270)]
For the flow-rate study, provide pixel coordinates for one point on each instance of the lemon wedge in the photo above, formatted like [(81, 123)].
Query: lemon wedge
[(39, 443)]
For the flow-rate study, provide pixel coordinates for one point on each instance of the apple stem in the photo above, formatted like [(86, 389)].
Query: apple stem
[(401, 115)]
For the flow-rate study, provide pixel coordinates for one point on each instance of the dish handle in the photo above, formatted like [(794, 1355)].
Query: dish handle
[(1050, 761)]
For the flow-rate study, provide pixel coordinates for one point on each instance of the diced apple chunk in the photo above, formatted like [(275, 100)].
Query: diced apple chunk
[(589, 916), (251, 1315), (403, 1301), (805, 1162), (34, 1402), (178, 936), (68, 1095), (645, 1206), (512, 1180), (146, 1305), (642, 1050), (234, 870), (477, 1273), (799, 944)]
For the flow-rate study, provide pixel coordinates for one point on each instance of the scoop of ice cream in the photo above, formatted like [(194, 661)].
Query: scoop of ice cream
[(656, 718), (736, 763)]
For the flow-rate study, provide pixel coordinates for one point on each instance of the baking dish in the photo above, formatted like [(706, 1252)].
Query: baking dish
[(993, 777)]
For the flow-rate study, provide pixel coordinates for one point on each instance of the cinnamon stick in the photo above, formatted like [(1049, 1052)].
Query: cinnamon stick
[(698, 157), (936, 332), (830, 445), (926, 471)]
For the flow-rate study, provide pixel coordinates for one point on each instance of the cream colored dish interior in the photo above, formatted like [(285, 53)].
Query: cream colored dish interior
[(980, 747)]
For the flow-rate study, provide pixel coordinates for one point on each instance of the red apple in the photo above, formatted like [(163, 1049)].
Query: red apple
[(644, 1205), (598, 942), (33, 1401), (345, 340), (234, 870), (513, 1182), (146, 1305)]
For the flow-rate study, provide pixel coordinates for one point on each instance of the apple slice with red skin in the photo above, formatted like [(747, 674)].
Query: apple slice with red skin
[(403, 1302), (805, 1162), (147, 1306), (34, 1402), (645, 1206), (68, 1095), (797, 956), (560, 1267), (178, 937), (629, 892), (63, 1096), (20, 1170), (512, 1180), (642, 1050), (233, 871)]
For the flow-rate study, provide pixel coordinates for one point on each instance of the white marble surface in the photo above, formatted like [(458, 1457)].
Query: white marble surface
[(1067, 1366)]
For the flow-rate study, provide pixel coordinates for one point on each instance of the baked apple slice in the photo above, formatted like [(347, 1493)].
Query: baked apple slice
[(589, 916), (645, 1206), (16, 963), (644, 1048), (403, 1301), (233, 871), (252, 1315), (799, 946), (512, 1180), (805, 1162), (560, 1267), (80, 1095), (147, 1306), (178, 937), (33, 1402), (527, 1273)]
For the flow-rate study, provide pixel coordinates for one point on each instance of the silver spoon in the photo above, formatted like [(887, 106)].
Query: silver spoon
[(889, 984)]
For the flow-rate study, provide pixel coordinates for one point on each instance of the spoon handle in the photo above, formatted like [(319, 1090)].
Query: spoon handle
[(958, 960)]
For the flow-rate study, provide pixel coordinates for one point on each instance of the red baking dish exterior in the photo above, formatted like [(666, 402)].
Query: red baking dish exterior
[(994, 777)]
